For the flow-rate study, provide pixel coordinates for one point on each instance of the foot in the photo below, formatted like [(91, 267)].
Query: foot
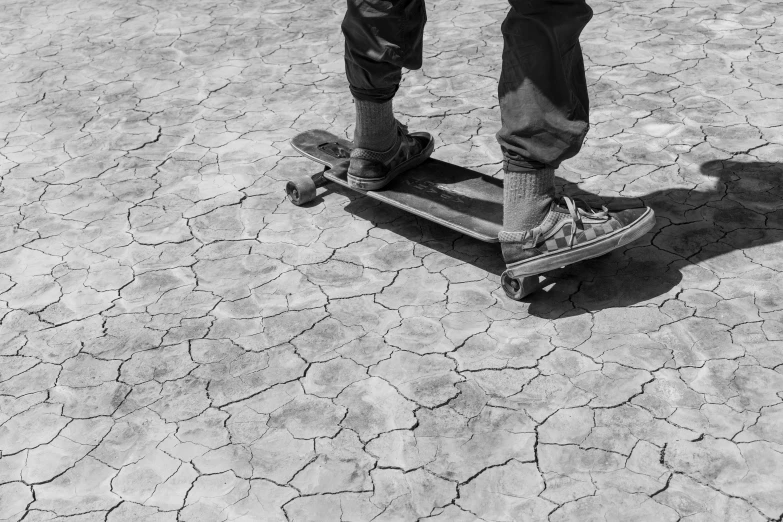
[(370, 170), (570, 234)]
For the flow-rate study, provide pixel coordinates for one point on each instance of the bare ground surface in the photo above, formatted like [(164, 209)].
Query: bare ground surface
[(179, 342)]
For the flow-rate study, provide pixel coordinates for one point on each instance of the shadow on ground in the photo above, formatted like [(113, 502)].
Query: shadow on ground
[(743, 208)]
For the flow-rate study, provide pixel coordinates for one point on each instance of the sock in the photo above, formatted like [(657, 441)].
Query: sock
[(376, 128), (526, 198)]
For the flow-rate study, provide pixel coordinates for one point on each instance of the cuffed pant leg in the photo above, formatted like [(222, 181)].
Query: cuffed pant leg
[(382, 37), (542, 91)]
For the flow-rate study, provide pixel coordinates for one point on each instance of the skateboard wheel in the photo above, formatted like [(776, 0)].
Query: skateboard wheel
[(300, 190), (517, 288)]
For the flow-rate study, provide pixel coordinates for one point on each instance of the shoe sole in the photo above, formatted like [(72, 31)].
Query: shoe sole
[(359, 183), (607, 243)]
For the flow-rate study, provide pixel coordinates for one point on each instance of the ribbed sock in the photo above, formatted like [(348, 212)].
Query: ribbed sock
[(376, 128), (526, 198)]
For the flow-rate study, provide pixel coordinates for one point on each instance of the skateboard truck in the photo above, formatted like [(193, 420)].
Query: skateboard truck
[(301, 189), (517, 288)]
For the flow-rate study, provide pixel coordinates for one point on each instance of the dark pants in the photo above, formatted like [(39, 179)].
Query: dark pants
[(542, 90)]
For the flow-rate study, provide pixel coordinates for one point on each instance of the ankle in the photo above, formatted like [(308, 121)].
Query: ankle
[(527, 197), (376, 127)]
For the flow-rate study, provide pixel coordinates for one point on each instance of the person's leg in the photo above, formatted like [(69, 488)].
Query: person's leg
[(544, 109), (543, 102), (382, 37)]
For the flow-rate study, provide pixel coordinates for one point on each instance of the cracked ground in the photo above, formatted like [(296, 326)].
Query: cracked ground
[(179, 342)]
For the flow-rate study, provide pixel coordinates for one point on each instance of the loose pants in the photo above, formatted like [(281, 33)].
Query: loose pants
[(542, 89)]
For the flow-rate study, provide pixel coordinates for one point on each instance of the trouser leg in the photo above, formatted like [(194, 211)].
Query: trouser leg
[(381, 37), (542, 90)]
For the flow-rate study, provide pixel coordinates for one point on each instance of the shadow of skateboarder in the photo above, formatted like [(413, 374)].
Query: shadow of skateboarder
[(696, 231)]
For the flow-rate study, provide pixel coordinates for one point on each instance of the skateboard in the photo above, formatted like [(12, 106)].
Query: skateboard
[(455, 197)]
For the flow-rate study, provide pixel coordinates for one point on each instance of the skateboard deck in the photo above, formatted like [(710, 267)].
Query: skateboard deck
[(455, 197)]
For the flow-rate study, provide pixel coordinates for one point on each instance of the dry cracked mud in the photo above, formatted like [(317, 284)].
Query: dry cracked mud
[(179, 342)]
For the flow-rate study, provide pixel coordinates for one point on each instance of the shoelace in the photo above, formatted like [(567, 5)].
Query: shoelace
[(577, 213)]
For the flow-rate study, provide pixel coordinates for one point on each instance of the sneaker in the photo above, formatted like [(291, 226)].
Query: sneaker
[(570, 234), (370, 170)]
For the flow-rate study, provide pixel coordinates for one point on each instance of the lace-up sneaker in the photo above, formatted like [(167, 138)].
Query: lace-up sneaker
[(370, 170), (570, 234)]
